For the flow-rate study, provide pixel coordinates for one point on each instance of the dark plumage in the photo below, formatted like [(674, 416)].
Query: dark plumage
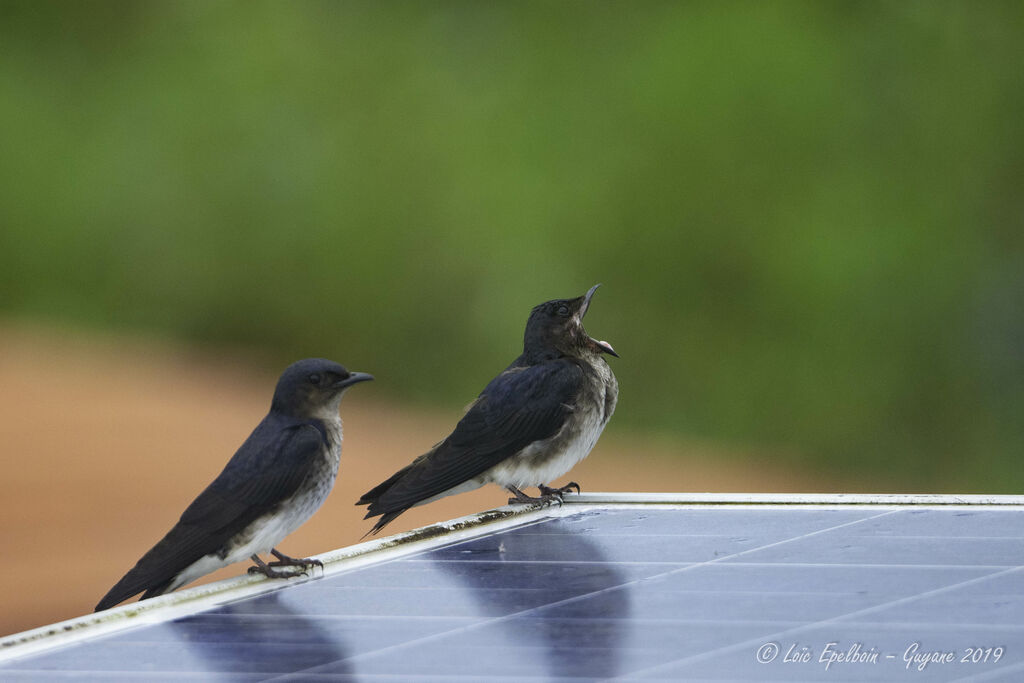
[(275, 481), (529, 425)]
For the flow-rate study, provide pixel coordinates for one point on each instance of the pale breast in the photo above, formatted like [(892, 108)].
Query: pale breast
[(544, 461), (269, 530)]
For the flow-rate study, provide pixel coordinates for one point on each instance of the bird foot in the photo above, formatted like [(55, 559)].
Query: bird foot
[(520, 498), (285, 561), (271, 569), (272, 573), (568, 488), (548, 495)]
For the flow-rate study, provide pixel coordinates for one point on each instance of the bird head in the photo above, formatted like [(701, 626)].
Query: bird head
[(558, 325), (313, 387)]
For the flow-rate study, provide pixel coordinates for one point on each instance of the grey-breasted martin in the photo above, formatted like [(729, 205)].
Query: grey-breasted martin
[(275, 481), (530, 425)]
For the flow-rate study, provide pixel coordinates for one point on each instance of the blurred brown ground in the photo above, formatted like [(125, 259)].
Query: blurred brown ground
[(104, 441)]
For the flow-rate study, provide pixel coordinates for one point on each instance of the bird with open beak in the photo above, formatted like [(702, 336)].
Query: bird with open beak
[(529, 426)]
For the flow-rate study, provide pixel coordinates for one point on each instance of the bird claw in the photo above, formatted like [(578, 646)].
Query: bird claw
[(271, 569), (285, 561), (272, 573), (551, 499), (548, 495), (520, 498), (568, 488)]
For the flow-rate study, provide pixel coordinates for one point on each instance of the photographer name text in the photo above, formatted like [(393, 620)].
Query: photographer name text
[(914, 657)]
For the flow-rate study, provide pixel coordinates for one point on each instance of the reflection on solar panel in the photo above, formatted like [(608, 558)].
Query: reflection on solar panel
[(610, 586)]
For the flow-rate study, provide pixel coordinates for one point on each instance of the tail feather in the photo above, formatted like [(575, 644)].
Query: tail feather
[(386, 518), (164, 587), (156, 572), (373, 499), (135, 581), (374, 494)]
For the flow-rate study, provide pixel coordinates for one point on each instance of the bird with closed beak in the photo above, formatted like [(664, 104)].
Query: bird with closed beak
[(530, 425), (275, 482)]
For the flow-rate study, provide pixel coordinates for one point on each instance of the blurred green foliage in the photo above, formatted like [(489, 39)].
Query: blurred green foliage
[(808, 216)]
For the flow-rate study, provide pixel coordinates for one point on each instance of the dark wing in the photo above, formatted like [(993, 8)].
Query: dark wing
[(520, 406), (268, 468)]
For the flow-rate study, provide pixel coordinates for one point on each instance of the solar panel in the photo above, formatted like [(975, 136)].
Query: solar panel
[(606, 587)]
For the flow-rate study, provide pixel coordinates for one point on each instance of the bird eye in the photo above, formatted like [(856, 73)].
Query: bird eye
[(314, 378), (563, 310)]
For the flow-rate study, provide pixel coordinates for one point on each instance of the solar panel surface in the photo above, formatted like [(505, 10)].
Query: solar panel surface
[(620, 591)]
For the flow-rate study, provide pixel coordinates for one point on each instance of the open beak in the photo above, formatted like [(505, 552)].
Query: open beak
[(601, 346), (604, 347), (353, 378), (586, 300)]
